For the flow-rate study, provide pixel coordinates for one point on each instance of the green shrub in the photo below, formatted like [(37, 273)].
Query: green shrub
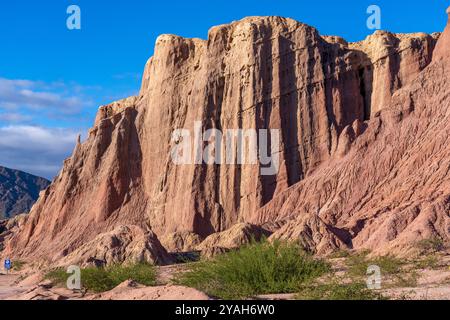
[(359, 263), (18, 265), (339, 254), (258, 268), (406, 280), (388, 264), (58, 276), (431, 245), (104, 279), (338, 291), (427, 262), (142, 273), (97, 280)]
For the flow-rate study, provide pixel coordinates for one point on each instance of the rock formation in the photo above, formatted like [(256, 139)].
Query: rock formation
[(18, 191), (442, 51), (233, 238), (364, 156), (313, 234), (393, 186), (125, 244), (183, 241)]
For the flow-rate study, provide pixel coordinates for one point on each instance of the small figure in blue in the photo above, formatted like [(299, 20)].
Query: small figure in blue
[(7, 265)]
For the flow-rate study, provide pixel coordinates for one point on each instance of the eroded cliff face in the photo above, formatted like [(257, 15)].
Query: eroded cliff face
[(328, 99), (259, 73), (392, 188), (391, 62), (442, 52)]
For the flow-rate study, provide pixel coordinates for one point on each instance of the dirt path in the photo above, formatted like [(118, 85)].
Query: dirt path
[(8, 287), (166, 274)]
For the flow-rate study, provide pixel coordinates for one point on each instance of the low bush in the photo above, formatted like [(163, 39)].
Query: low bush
[(359, 263), (104, 279), (258, 268), (18, 265), (338, 291), (427, 262), (431, 245)]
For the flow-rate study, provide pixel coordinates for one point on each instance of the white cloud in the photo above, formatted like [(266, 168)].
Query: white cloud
[(30, 111), (36, 150), (14, 117), (36, 95)]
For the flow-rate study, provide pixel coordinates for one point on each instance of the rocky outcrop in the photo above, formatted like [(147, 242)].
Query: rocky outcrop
[(312, 234), (363, 143), (442, 51), (38, 294), (133, 291), (183, 241), (390, 62), (10, 227), (238, 235), (128, 290), (18, 191), (125, 244)]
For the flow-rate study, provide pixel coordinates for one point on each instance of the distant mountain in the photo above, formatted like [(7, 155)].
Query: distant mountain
[(18, 191)]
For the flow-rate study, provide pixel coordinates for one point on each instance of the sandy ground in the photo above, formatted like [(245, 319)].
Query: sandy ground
[(432, 285), (8, 287), (29, 285)]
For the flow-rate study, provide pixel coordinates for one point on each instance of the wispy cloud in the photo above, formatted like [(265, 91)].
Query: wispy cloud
[(39, 121), (34, 96), (35, 149), (14, 117)]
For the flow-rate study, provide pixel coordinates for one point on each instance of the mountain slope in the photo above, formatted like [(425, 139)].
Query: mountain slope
[(18, 191)]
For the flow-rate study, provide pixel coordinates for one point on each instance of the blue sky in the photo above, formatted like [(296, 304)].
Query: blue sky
[(53, 79)]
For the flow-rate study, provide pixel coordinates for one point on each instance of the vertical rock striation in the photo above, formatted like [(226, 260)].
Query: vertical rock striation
[(323, 94)]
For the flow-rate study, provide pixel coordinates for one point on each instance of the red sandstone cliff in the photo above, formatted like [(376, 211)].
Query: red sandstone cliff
[(364, 143)]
